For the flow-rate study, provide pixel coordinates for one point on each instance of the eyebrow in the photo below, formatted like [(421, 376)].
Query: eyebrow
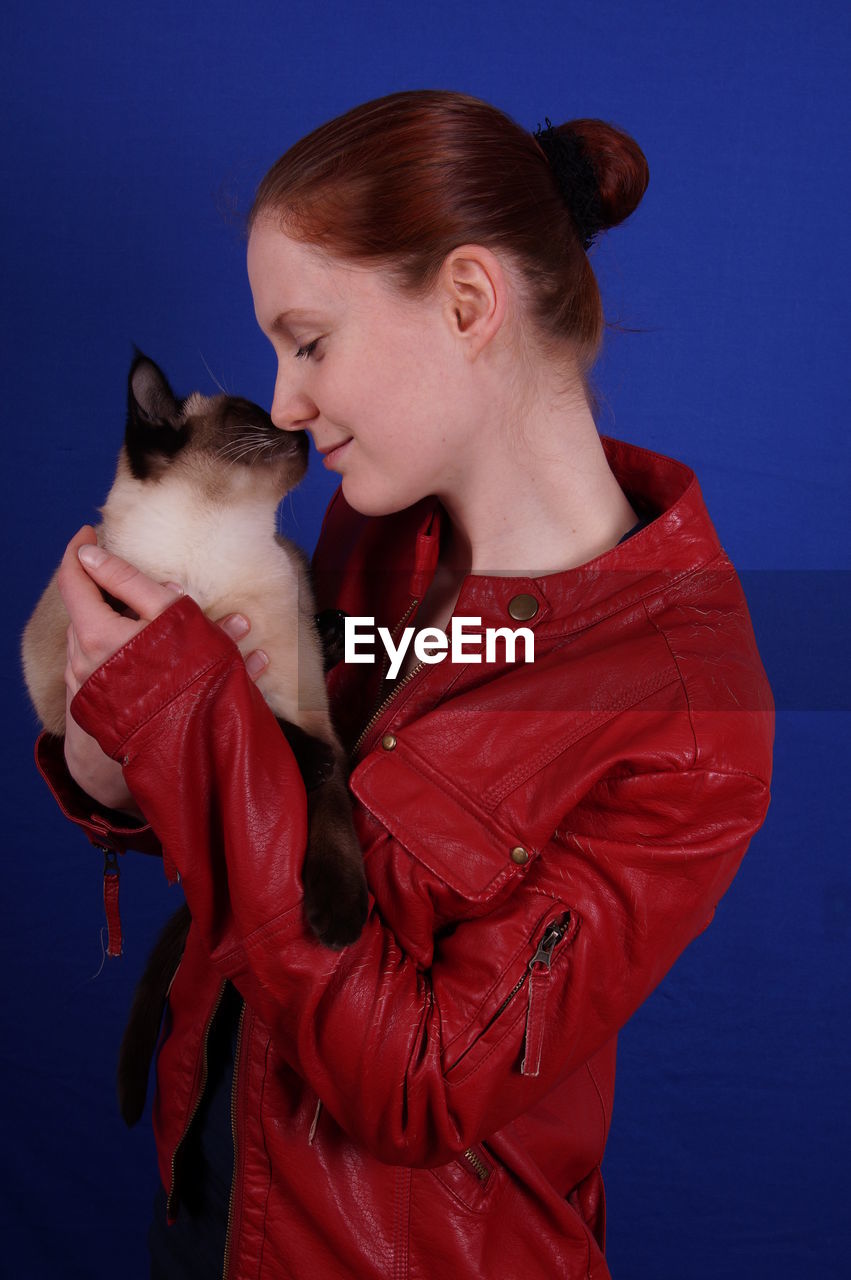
[(298, 313)]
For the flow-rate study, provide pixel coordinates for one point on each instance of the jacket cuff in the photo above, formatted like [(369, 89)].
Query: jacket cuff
[(105, 828), (205, 758), (180, 629)]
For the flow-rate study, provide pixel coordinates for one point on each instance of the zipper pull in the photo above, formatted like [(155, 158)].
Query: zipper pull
[(539, 978), (553, 934), (114, 936)]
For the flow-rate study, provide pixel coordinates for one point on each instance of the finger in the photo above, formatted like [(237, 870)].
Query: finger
[(235, 625), (87, 567), (98, 629), (143, 595), (72, 684), (75, 586), (80, 593), (256, 663)]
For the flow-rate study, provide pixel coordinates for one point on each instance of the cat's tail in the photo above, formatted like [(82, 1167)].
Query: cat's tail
[(143, 1025)]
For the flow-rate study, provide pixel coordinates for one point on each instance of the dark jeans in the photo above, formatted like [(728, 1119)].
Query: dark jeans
[(193, 1247)]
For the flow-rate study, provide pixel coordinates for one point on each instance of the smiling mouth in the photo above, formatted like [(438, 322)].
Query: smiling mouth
[(327, 453)]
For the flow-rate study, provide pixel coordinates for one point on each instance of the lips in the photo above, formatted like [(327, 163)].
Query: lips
[(327, 450), (330, 455)]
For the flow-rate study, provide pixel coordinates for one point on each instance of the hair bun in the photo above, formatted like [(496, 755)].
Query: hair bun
[(619, 163)]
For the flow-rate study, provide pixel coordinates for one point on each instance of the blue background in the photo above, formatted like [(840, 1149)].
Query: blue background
[(132, 133)]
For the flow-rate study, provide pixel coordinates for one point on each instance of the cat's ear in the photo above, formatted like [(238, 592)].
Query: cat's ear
[(155, 430), (150, 400)]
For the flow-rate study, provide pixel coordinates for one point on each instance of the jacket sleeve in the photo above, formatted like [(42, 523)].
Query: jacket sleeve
[(366, 1027), (105, 828)]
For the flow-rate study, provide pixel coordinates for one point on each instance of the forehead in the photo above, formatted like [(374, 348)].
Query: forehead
[(293, 282)]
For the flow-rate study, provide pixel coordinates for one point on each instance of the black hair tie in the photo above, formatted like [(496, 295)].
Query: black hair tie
[(576, 179)]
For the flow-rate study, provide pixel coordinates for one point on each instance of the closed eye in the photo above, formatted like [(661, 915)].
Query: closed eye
[(307, 352)]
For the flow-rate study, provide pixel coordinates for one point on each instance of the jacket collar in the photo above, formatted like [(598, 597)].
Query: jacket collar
[(679, 539), (378, 565)]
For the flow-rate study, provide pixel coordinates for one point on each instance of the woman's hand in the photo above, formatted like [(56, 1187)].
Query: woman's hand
[(96, 632)]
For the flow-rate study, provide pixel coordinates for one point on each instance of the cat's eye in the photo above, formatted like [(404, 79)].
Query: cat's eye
[(307, 351)]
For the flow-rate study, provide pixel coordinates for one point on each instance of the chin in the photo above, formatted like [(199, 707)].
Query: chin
[(370, 501)]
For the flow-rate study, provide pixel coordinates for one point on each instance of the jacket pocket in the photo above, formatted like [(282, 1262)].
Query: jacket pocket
[(522, 993), (470, 1179), (467, 860)]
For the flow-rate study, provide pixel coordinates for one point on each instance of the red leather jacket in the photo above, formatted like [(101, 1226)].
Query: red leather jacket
[(541, 842)]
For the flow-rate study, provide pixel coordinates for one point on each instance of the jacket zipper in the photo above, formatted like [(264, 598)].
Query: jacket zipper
[(479, 1167), (553, 934), (539, 983), (551, 937), (233, 1134), (199, 1096), (379, 711), (512, 993)]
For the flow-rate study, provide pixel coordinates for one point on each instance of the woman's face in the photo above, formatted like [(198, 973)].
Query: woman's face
[(375, 378)]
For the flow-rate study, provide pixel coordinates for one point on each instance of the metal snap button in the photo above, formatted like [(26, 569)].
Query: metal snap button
[(522, 607), (519, 855), (388, 742)]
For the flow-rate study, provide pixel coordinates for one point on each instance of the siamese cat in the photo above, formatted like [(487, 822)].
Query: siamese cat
[(194, 501)]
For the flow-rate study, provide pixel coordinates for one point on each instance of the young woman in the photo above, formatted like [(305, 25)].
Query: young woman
[(542, 834)]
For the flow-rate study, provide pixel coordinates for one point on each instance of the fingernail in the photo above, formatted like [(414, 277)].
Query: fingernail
[(256, 661), (175, 586), (236, 627), (91, 555)]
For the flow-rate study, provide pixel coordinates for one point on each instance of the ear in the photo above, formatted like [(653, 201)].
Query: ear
[(154, 431), (149, 397), (475, 289)]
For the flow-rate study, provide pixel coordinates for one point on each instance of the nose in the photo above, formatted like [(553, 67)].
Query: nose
[(292, 409)]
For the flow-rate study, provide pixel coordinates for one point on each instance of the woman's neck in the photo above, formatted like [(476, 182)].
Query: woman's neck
[(536, 502)]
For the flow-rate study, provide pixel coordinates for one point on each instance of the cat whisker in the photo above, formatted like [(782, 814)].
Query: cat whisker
[(235, 458), (292, 509), (247, 433), (222, 388), (247, 448), (250, 441)]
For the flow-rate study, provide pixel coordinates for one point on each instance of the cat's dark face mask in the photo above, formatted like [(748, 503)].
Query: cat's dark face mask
[(218, 437)]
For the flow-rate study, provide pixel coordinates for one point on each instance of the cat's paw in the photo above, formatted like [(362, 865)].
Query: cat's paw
[(335, 900)]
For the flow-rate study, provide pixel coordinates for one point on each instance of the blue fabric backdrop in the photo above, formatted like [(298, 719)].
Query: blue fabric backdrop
[(131, 134)]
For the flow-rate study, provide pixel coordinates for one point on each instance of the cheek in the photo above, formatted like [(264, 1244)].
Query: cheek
[(388, 469), (413, 365)]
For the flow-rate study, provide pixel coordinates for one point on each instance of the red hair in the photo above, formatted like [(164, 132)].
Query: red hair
[(404, 179)]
